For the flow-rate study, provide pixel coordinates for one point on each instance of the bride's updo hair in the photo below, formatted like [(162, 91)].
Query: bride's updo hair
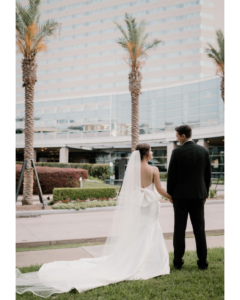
[(143, 149)]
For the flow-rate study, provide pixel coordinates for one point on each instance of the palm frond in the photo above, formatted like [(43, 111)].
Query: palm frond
[(217, 55), (47, 29), (134, 39), (152, 45), (22, 14), (31, 37), (121, 29), (33, 10)]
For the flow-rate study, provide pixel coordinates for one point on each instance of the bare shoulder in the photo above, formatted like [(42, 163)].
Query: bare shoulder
[(155, 170)]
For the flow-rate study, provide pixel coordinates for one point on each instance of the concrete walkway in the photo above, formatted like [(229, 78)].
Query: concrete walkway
[(96, 224), (45, 256)]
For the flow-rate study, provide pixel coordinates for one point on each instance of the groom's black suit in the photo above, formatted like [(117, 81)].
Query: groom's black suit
[(189, 180)]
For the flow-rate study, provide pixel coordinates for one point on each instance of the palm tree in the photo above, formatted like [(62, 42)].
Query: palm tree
[(218, 57), (31, 39), (134, 43)]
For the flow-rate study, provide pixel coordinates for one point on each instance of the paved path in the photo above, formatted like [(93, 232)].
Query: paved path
[(45, 256), (96, 224)]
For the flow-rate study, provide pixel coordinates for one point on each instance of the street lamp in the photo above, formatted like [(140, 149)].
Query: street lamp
[(112, 176), (80, 182)]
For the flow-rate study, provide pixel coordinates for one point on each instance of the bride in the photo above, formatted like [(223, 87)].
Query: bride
[(134, 249)]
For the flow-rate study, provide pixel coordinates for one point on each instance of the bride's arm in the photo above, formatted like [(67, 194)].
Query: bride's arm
[(158, 185)]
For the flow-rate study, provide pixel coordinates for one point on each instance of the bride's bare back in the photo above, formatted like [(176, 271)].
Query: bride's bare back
[(146, 175), (151, 175)]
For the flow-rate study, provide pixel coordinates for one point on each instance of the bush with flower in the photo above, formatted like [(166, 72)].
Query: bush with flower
[(83, 204)]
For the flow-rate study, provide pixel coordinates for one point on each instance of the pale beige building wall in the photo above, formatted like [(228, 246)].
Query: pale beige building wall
[(121, 67)]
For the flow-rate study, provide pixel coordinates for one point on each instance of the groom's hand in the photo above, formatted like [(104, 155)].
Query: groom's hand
[(170, 201), (205, 201)]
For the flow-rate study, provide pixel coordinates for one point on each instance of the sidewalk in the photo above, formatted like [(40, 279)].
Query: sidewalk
[(45, 256), (75, 226)]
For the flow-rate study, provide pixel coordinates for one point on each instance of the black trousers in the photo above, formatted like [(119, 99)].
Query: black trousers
[(195, 208)]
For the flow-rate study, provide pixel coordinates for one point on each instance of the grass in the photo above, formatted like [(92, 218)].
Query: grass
[(77, 245), (212, 193), (61, 246), (95, 179), (190, 236), (187, 284), (89, 184), (84, 205)]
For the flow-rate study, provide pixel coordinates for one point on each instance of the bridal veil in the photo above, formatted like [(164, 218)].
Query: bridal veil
[(117, 258)]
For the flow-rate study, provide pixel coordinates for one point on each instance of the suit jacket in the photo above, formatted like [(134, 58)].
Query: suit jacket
[(189, 172)]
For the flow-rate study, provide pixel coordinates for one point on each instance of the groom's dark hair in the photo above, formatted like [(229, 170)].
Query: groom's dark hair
[(184, 129)]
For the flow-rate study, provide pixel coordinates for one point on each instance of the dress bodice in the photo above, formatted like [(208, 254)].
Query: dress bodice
[(150, 187)]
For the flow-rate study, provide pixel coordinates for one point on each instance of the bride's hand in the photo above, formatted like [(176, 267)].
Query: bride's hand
[(170, 200)]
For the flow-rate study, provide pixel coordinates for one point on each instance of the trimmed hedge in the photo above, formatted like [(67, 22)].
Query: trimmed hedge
[(96, 170), (51, 178), (83, 193)]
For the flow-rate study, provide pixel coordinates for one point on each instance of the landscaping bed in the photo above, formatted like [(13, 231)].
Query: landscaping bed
[(60, 194), (101, 171), (83, 204), (51, 178)]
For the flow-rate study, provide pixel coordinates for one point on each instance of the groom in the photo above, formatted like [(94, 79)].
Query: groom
[(188, 182)]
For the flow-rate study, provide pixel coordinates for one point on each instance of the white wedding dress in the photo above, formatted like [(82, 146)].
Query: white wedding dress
[(135, 247)]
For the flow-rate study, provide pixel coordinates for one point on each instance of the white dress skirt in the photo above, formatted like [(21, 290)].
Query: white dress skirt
[(143, 256)]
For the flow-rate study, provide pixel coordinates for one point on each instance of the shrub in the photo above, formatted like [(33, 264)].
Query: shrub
[(51, 178), (83, 193), (101, 171), (213, 193), (163, 176)]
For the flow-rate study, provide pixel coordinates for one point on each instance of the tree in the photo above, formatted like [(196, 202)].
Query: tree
[(218, 57), (31, 38), (134, 42)]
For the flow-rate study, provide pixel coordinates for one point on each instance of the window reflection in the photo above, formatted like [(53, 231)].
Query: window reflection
[(198, 104)]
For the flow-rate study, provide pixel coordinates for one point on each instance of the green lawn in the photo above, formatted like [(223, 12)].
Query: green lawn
[(89, 184), (187, 284), (61, 246)]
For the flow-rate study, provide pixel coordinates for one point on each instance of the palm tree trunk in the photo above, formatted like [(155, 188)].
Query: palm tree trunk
[(29, 78), (135, 78), (135, 121), (222, 88)]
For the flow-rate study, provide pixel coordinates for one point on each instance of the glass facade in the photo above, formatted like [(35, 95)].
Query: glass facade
[(217, 161), (198, 104)]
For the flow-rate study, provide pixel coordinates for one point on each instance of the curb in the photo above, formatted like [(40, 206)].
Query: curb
[(95, 209), (168, 235)]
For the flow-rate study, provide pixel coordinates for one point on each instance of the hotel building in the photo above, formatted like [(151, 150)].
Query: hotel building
[(82, 106)]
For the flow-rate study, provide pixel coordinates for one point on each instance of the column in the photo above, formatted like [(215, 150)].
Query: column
[(170, 147), (203, 142), (63, 155), (35, 155)]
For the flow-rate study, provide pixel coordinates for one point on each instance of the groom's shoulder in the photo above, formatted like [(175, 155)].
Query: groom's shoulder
[(201, 148), (176, 150)]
